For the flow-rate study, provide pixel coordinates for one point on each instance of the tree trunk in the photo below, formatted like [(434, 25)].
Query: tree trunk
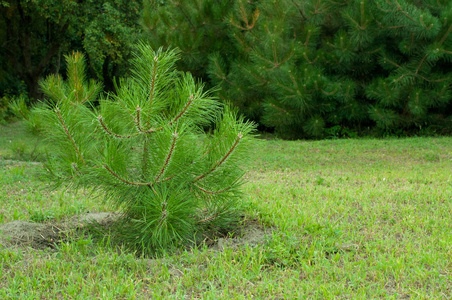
[(108, 76), (20, 39), (32, 83)]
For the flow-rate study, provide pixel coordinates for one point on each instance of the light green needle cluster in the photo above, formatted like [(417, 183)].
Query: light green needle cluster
[(148, 148)]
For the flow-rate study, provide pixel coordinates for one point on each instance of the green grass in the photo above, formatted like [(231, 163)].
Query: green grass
[(355, 219), (17, 143), (24, 193)]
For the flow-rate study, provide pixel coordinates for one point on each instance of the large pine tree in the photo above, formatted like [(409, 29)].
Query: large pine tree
[(305, 66)]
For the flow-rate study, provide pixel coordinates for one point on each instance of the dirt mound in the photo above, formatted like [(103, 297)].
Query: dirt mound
[(250, 234), (101, 218), (43, 235), (48, 235), (21, 233)]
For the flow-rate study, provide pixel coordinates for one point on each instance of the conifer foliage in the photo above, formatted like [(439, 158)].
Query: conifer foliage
[(303, 66), (146, 147)]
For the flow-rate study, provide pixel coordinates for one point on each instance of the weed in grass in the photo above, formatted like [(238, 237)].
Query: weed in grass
[(432, 157), (321, 181), (41, 216), (17, 172), (15, 214), (18, 148), (19, 144)]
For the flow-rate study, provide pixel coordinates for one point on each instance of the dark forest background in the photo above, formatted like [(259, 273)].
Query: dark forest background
[(299, 68)]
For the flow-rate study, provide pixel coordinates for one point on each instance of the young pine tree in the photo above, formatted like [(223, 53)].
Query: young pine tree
[(147, 149)]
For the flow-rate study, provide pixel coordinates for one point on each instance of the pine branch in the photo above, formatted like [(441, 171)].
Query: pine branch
[(208, 219), (56, 175), (285, 87), (262, 81), (101, 121), (183, 110), (164, 214), (308, 36), (399, 8), (423, 24), (280, 109), (32, 123), (213, 192), (144, 161), (205, 153), (295, 83), (445, 35), (219, 163), (420, 64), (374, 51), (248, 26), (216, 145), (401, 77), (177, 4), (329, 93), (154, 76), (362, 16), (125, 180), (77, 150), (220, 73), (77, 57), (392, 63), (152, 130), (166, 179), (89, 96), (138, 119), (48, 86), (317, 9), (75, 82), (300, 11), (168, 157), (433, 80), (305, 55)]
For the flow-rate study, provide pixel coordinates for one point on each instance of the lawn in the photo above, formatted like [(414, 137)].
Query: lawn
[(346, 219)]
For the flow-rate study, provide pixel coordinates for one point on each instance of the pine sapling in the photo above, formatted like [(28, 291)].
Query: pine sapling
[(147, 149)]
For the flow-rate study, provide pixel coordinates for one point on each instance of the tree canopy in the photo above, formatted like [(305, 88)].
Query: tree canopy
[(36, 34), (306, 69)]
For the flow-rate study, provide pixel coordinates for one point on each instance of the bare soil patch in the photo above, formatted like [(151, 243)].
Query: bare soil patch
[(42, 236), (250, 233), (22, 234), (46, 235)]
